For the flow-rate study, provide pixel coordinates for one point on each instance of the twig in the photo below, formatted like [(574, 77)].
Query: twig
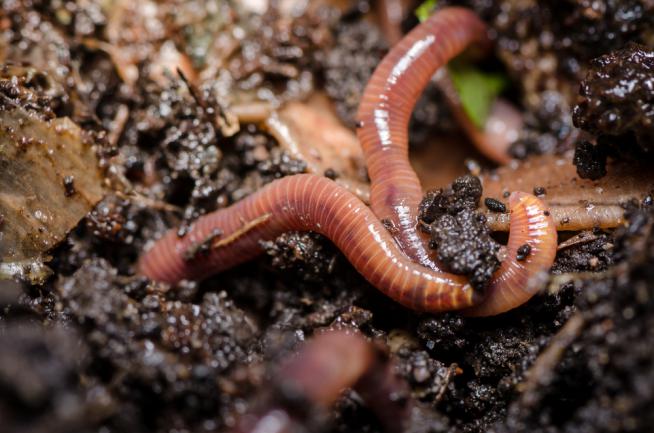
[(247, 226), (135, 197), (541, 372)]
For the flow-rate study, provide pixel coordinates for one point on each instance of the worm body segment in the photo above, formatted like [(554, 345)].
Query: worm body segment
[(308, 203), (326, 365), (385, 111), (317, 375), (336, 360)]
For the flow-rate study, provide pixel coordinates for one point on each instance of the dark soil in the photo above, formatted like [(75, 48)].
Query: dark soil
[(459, 233), (547, 47), (99, 349), (617, 96), (617, 107)]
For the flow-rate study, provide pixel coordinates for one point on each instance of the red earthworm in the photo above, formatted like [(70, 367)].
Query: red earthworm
[(309, 203), (384, 114), (518, 280), (504, 121), (501, 129), (312, 203), (323, 368)]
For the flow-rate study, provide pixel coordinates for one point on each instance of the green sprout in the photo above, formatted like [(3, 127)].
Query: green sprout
[(425, 9)]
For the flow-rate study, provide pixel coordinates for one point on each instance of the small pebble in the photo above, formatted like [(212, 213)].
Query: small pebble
[(495, 205), (421, 374), (523, 252), (506, 194), (539, 191), (183, 230), (473, 167), (647, 201)]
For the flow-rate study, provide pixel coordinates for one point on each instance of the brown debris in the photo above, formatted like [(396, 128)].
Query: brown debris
[(580, 238), (36, 158), (311, 132), (247, 226)]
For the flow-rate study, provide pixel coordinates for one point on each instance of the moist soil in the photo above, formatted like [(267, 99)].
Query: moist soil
[(97, 348)]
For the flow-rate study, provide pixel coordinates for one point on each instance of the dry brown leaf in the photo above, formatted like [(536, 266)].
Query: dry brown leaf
[(37, 157)]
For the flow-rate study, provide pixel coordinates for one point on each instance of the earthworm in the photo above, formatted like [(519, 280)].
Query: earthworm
[(311, 203), (504, 121), (501, 129), (384, 114), (322, 369), (306, 202), (518, 280)]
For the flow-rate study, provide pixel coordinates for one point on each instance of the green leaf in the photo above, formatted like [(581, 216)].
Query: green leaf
[(477, 90), (425, 9)]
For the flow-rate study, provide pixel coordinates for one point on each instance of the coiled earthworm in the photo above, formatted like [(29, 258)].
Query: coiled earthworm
[(518, 280), (317, 375), (306, 202), (384, 114), (231, 236)]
